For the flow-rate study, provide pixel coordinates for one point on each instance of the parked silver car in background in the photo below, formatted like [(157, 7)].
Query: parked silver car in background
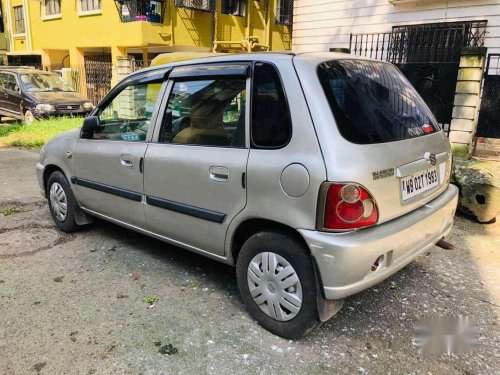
[(317, 175)]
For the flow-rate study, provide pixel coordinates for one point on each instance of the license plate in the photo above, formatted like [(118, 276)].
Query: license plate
[(418, 183)]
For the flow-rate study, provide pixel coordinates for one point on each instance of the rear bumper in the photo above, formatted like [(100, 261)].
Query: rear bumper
[(345, 259)]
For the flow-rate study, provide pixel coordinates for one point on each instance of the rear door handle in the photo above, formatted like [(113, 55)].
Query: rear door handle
[(219, 174), (126, 161)]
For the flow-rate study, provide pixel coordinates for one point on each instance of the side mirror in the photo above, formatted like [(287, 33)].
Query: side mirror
[(90, 125), (17, 89)]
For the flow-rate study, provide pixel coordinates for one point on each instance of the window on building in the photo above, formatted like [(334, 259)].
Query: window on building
[(90, 5), (19, 19), (234, 7), (284, 12), (141, 10), (52, 7), (271, 120), (205, 5)]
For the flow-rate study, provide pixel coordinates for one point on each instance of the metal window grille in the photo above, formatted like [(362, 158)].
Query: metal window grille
[(204, 5), (234, 7), (52, 7), (19, 19), (90, 5), (433, 42), (141, 10), (284, 12)]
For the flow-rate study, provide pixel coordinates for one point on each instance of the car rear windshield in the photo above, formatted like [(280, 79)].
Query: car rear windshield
[(373, 102)]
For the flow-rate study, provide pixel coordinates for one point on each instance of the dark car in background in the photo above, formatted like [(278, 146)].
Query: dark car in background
[(27, 94)]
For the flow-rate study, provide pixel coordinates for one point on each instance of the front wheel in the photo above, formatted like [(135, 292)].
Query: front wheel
[(277, 283), (62, 203)]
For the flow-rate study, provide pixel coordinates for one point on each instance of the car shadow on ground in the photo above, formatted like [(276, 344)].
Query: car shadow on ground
[(437, 283)]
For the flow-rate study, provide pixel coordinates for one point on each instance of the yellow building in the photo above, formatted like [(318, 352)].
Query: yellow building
[(64, 33)]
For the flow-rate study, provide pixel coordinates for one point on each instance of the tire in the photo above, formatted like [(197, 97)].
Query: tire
[(59, 195), (28, 117), (276, 317)]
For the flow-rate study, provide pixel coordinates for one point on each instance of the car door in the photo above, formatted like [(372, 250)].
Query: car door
[(10, 100), (195, 168), (108, 167), (13, 95), (3, 94)]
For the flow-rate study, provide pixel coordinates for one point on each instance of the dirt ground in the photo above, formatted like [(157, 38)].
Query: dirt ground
[(75, 304)]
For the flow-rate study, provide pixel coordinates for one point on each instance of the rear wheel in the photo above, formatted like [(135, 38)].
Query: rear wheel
[(62, 203), (277, 283), (28, 117)]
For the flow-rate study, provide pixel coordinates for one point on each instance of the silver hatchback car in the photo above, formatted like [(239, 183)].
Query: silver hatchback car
[(317, 175)]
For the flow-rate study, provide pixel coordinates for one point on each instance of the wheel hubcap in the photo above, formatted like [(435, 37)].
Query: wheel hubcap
[(58, 201), (274, 286)]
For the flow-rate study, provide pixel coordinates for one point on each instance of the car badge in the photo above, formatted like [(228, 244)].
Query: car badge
[(431, 157), (69, 107)]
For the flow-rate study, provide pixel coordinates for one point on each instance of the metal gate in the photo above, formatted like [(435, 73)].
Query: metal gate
[(98, 73), (489, 114), (427, 54)]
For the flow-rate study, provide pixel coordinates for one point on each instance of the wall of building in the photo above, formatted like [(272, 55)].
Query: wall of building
[(182, 29), (323, 24)]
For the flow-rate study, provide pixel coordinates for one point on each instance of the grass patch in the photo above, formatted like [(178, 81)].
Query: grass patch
[(150, 299), (37, 133), (11, 210)]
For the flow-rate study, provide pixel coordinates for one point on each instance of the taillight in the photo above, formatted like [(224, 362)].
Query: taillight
[(348, 206)]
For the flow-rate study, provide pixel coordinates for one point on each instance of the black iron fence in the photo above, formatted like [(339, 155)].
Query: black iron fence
[(433, 42), (140, 64), (93, 78), (489, 115)]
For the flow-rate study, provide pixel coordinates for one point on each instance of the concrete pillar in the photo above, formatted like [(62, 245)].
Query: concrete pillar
[(467, 100), (116, 54), (123, 67), (77, 64), (145, 55)]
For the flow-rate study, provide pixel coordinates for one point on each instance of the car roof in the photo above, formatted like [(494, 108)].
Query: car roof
[(309, 57), (23, 70)]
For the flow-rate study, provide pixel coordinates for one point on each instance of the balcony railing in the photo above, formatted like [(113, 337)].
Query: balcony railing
[(203, 5), (141, 10)]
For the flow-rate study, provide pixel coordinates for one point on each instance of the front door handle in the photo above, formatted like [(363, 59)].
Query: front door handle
[(219, 174), (127, 161)]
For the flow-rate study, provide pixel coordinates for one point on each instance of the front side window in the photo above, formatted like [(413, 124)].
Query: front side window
[(90, 5), (271, 120), (52, 7), (44, 82), (3, 79), (206, 113), (8, 81), (127, 117), (19, 19), (373, 102), (234, 7)]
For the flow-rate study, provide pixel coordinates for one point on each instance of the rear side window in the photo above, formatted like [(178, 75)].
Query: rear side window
[(373, 102), (271, 121)]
